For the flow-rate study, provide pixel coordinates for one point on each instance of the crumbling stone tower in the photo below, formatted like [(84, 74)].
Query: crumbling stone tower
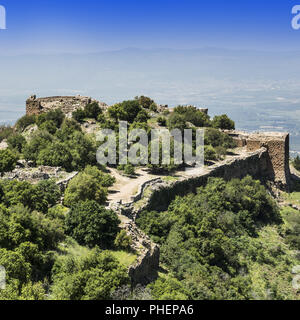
[(277, 167)]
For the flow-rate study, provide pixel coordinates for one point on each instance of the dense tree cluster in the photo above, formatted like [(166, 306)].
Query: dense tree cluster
[(91, 224), (227, 241), (216, 242), (94, 277), (90, 111), (68, 147), (90, 184), (8, 161)]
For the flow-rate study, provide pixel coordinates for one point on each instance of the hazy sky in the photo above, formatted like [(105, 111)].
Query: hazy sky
[(55, 26), (45, 51)]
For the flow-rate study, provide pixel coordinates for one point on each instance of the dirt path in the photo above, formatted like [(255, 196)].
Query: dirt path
[(126, 187)]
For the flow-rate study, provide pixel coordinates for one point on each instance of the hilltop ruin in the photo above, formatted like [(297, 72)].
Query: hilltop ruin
[(67, 104), (276, 169), (277, 145)]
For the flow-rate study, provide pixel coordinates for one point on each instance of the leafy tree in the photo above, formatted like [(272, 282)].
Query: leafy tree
[(193, 115), (125, 111), (57, 116), (16, 141), (49, 126), (210, 153), (92, 110), (168, 289), (69, 148), (153, 107), (210, 240), (91, 224), (177, 121), (217, 138), (25, 121), (128, 169), (39, 141), (91, 184), (223, 122), (94, 277), (20, 225), (162, 121), (123, 241), (36, 197), (68, 128), (55, 154), (142, 116), (8, 161), (145, 102), (5, 132), (79, 115), (49, 194)]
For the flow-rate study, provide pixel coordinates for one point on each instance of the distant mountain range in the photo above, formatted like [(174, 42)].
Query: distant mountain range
[(260, 90)]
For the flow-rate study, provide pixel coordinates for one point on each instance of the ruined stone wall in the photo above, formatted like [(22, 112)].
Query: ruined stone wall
[(68, 105), (277, 145), (254, 164)]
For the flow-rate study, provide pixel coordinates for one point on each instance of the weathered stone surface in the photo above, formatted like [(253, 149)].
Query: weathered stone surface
[(67, 104), (25, 171), (277, 145)]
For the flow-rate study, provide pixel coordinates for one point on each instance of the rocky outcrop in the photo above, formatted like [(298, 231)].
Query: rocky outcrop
[(25, 171), (67, 104)]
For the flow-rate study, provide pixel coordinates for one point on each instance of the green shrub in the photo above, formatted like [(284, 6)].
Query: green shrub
[(92, 277), (5, 132), (145, 102), (78, 115), (210, 153), (123, 241), (25, 121), (49, 126), (39, 141), (193, 115), (162, 121), (16, 141), (92, 110), (90, 184), (8, 160), (153, 107), (57, 116), (223, 122), (91, 224), (129, 169), (125, 111)]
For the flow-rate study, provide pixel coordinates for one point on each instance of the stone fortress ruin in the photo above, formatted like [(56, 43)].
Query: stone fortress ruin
[(277, 144), (67, 104), (264, 156)]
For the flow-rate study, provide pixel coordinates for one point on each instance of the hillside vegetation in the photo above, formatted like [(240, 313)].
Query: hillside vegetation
[(228, 241)]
